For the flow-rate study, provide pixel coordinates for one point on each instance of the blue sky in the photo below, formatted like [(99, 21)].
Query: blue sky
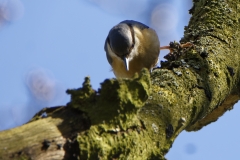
[(50, 46)]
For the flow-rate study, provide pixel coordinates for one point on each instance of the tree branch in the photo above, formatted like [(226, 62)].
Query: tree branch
[(140, 118)]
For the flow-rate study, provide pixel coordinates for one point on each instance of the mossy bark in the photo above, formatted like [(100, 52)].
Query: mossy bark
[(140, 118)]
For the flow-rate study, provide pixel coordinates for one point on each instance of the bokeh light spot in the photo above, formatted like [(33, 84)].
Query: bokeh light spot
[(11, 10), (164, 18), (190, 148), (41, 85)]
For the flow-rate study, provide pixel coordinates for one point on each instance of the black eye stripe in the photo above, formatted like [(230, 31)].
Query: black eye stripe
[(108, 41), (132, 33)]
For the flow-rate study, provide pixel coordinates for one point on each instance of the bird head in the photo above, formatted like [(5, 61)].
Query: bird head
[(121, 42)]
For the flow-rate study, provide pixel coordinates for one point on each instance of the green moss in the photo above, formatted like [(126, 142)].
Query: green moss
[(115, 104), (116, 131), (82, 97), (132, 145)]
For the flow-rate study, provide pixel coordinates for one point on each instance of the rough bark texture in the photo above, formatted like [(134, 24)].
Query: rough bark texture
[(140, 118)]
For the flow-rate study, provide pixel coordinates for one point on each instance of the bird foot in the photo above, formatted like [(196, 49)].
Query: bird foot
[(176, 50), (175, 45)]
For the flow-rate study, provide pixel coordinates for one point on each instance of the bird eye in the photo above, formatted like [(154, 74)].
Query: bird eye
[(132, 45)]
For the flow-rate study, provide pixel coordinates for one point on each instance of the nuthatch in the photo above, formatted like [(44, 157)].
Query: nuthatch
[(131, 46)]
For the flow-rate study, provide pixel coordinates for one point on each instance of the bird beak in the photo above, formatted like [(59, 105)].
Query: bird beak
[(126, 62)]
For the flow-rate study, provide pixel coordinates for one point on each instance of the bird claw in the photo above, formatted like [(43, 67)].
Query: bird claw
[(175, 45), (186, 45)]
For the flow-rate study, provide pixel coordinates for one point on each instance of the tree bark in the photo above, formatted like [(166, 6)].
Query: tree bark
[(140, 118)]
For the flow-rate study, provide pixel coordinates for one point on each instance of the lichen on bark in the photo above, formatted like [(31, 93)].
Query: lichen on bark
[(116, 130), (140, 118)]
